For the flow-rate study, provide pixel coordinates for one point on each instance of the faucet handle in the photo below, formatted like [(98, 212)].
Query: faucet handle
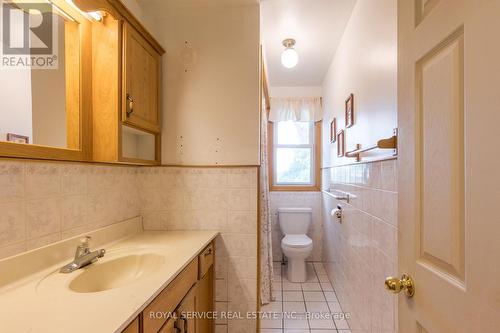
[(85, 241)]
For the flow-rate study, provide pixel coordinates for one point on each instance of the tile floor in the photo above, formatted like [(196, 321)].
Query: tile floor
[(294, 300)]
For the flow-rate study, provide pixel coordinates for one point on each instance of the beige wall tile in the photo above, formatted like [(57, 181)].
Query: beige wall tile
[(74, 179), (45, 202), (42, 241), (12, 223), (43, 217), (12, 181), (221, 290), (42, 180), (362, 251), (244, 245), (13, 249), (73, 211), (243, 222), (242, 267), (240, 199)]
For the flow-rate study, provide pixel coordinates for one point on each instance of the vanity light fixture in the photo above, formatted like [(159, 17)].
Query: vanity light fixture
[(289, 57), (96, 16)]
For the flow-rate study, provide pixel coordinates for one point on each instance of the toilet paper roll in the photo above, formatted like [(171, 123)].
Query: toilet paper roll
[(337, 215)]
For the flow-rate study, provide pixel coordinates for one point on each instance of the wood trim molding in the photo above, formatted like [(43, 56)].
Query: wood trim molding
[(317, 162)]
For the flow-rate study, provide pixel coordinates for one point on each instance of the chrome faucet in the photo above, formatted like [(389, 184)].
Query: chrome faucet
[(83, 256)]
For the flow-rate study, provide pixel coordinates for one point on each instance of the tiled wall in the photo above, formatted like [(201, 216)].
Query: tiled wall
[(44, 202), (41, 203), (362, 251), (297, 199), (223, 199)]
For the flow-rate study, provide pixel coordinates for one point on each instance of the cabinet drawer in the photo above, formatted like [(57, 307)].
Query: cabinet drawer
[(206, 259), (169, 298), (133, 327)]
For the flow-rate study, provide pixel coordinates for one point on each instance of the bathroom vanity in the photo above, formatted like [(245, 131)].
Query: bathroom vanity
[(144, 283)]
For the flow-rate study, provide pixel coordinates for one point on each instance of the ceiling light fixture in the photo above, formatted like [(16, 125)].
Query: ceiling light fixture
[(289, 57)]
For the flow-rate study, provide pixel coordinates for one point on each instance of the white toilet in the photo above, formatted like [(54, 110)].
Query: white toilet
[(296, 245)]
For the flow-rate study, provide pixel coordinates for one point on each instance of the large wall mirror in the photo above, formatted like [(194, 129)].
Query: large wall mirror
[(45, 105)]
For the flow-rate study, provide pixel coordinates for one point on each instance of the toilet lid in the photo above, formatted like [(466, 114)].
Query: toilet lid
[(297, 241)]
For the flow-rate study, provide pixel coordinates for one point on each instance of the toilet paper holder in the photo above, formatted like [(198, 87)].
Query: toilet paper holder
[(337, 213)]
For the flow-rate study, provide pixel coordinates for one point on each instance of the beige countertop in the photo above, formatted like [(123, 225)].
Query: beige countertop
[(43, 303)]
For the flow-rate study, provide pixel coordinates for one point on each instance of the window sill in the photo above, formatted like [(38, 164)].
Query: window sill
[(294, 189)]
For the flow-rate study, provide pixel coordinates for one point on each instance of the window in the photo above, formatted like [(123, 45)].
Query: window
[(294, 155)]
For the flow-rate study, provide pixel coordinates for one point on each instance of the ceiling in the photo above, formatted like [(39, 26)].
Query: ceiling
[(316, 25)]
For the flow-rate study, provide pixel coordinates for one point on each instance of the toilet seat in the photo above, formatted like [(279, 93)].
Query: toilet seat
[(296, 241)]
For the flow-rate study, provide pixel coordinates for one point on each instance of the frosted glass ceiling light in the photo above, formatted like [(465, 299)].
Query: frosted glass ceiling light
[(289, 57)]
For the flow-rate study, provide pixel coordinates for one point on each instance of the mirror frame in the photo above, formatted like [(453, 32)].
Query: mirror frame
[(16, 150)]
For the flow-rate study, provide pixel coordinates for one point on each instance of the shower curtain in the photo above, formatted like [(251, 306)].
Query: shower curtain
[(266, 248)]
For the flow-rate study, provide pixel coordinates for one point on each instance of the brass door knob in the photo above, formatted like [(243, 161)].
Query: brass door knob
[(396, 285)]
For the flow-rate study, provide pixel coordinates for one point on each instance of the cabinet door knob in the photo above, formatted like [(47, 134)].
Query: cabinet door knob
[(130, 106)]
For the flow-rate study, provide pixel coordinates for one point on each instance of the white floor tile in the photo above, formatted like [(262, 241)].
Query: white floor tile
[(292, 296), (320, 268), (271, 330), (326, 323), (298, 307), (278, 296), (326, 286), (341, 324), (317, 307), (323, 331), (311, 286), (291, 286), (330, 296), (298, 322), (334, 307), (271, 323), (314, 296), (296, 331), (323, 278), (311, 277), (272, 307)]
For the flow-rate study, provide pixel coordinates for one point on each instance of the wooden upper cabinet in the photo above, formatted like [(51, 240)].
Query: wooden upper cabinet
[(141, 81), (126, 77)]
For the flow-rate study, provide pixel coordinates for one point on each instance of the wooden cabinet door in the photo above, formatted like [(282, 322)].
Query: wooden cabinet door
[(186, 322), (141, 81), (205, 302), (133, 327)]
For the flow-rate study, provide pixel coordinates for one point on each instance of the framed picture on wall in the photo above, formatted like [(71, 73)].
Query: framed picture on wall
[(349, 111), (333, 130), (341, 144), (16, 138)]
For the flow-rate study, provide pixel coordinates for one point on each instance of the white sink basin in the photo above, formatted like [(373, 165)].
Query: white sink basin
[(118, 268), (116, 273)]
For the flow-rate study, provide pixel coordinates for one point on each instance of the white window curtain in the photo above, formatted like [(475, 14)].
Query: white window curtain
[(296, 109)]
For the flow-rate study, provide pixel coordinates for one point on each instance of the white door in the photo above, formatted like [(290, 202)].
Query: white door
[(449, 165)]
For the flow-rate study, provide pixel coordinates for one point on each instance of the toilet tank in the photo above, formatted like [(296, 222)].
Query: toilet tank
[(294, 221)]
